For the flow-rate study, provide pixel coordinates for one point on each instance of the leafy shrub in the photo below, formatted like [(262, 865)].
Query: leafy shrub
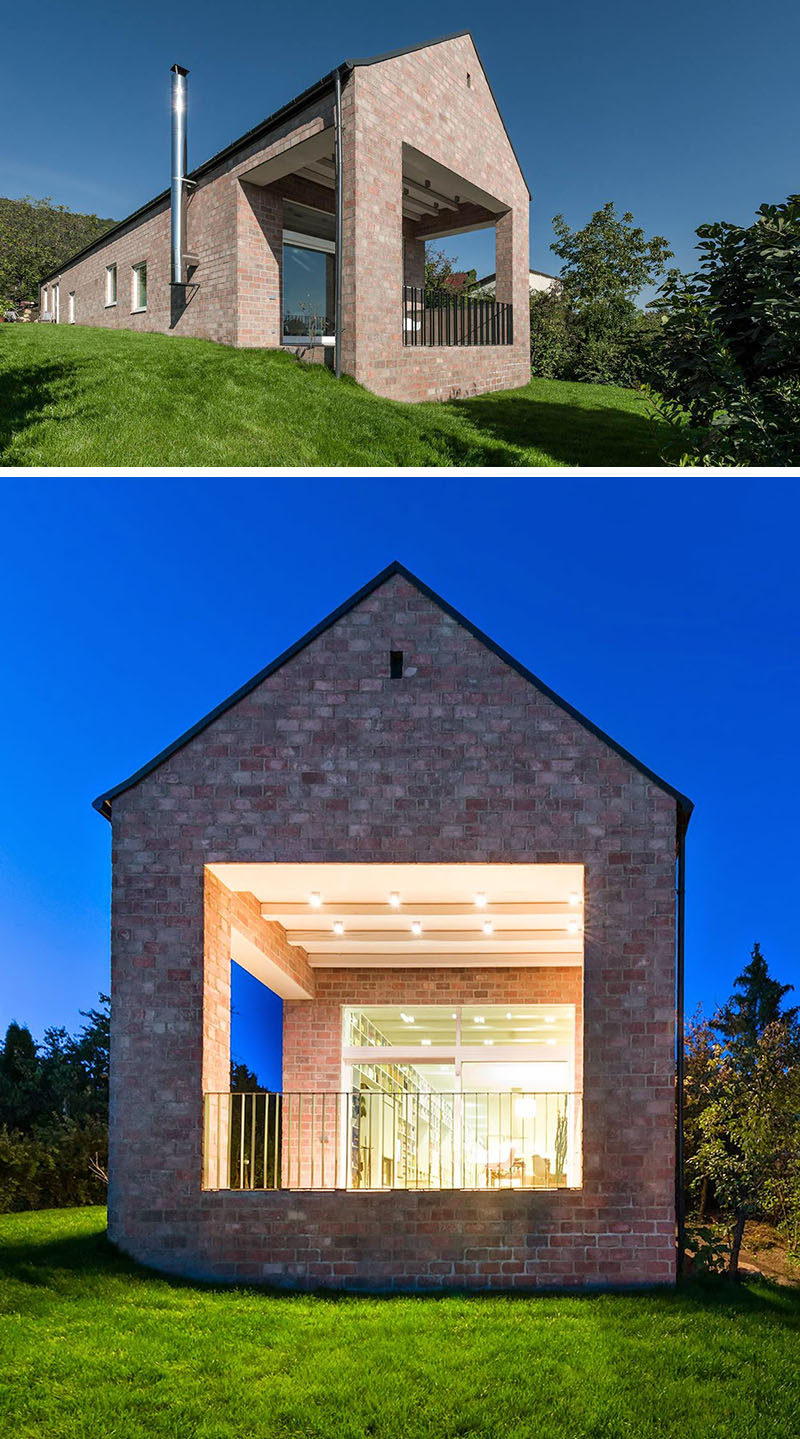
[(552, 338), (52, 1170), (707, 1249), (728, 359), (590, 328)]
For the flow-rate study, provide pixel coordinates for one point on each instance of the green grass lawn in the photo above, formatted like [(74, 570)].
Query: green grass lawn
[(72, 396), (93, 1348)]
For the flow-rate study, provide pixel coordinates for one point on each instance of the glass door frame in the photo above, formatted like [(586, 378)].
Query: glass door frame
[(302, 241)]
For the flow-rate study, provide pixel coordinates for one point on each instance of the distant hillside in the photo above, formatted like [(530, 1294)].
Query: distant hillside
[(36, 236)]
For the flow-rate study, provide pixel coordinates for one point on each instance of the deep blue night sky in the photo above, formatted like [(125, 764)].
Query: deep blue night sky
[(683, 114), (666, 610)]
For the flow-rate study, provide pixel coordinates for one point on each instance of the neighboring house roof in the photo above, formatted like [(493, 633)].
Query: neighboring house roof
[(456, 281), (320, 87), (103, 802)]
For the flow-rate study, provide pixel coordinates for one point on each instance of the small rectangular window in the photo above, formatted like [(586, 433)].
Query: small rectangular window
[(72, 307), (396, 664), (111, 284), (139, 287)]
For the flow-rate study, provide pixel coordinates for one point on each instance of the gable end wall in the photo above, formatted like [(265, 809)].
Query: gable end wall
[(330, 760)]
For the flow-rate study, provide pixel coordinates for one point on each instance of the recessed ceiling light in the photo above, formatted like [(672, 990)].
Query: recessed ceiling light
[(508, 1015), (315, 899), (479, 1019), (488, 926), (394, 899), (416, 926), (549, 1019), (573, 926), (488, 1041), (407, 1018), (454, 1015), (480, 900), (574, 897), (551, 1041), (338, 926), (424, 1041)]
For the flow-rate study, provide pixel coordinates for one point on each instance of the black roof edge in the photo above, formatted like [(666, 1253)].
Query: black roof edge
[(304, 98), (103, 802)]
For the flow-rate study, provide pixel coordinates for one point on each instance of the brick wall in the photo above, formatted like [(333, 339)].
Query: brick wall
[(330, 760)]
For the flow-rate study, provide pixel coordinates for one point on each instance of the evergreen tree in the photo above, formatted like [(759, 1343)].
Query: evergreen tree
[(20, 1079), (753, 1006)]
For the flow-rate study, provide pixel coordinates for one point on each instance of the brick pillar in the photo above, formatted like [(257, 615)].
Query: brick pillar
[(259, 250), (413, 261), (512, 270)]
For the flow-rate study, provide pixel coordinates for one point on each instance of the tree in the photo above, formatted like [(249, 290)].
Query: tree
[(36, 237), (742, 1106), (591, 328), (441, 273), (754, 1005), (20, 1087), (244, 1080), (749, 1129), (726, 367), (54, 1113), (608, 262), (701, 1074)]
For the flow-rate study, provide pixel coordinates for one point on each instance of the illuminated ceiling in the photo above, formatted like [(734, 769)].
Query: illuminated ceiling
[(421, 915)]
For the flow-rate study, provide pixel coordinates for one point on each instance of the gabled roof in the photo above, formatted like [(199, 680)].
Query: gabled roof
[(103, 802), (320, 87)]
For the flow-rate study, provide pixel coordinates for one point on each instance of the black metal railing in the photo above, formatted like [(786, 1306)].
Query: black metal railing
[(438, 317), (374, 1140)]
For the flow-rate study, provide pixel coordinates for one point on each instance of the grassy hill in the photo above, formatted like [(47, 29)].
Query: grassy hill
[(74, 396), (93, 1347)]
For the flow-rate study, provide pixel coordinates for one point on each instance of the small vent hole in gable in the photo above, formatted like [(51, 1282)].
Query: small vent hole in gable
[(396, 664), (469, 81)]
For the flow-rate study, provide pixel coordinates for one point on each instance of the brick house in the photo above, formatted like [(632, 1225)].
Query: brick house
[(309, 232), (464, 893)]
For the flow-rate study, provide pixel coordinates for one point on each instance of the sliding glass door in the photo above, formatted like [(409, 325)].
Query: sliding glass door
[(309, 276)]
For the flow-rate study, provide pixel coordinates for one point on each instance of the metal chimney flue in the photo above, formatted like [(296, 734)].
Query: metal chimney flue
[(178, 174)]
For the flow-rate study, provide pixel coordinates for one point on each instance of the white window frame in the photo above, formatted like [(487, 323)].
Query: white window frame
[(457, 1052), (56, 301), (71, 307), (111, 270), (135, 271)]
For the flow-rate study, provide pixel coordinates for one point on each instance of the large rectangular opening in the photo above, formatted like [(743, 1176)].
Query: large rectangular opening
[(432, 1027)]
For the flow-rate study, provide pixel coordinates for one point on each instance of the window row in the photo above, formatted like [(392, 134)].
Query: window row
[(138, 286), (51, 293)]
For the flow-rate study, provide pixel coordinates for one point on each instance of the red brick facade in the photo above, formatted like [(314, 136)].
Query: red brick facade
[(329, 760), (436, 99)]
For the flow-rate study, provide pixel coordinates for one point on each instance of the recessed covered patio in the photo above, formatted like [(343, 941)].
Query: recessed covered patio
[(432, 1026)]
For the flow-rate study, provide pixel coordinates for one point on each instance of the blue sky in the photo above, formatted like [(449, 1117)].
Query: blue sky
[(668, 611), (682, 114)]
